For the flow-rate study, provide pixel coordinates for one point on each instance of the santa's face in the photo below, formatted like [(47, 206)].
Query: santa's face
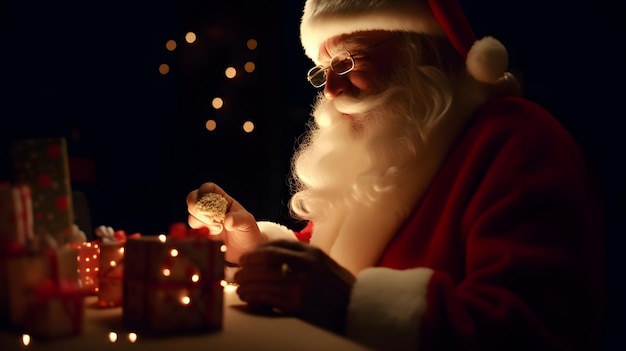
[(366, 136), (357, 64)]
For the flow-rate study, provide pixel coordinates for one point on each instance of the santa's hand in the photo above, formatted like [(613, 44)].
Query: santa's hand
[(298, 279), (237, 228)]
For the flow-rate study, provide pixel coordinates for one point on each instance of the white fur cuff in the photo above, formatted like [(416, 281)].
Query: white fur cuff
[(386, 307), (274, 231)]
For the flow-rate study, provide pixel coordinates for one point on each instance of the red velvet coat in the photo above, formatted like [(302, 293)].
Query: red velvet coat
[(512, 229)]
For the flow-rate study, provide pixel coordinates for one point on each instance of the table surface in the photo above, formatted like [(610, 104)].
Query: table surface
[(241, 330)]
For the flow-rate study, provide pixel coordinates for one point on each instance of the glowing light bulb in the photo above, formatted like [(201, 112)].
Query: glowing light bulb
[(112, 336), (173, 252), (185, 300), (166, 272), (195, 278), (162, 238), (25, 339), (132, 337)]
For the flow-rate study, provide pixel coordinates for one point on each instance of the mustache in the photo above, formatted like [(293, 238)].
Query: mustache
[(356, 105)]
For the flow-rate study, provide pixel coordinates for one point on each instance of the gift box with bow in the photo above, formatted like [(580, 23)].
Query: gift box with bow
[(43, 165), (172, 283), (38, 274), (16, 228), (55, 305)]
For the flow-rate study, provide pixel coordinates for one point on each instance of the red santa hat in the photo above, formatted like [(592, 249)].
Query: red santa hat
[(486, 59)]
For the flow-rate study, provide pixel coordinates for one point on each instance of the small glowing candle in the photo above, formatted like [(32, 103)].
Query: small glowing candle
[(230, 288)]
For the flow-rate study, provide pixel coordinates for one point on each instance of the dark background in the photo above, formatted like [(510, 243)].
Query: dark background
[(88, 71)]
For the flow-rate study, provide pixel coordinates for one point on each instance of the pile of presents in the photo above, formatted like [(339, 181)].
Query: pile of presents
[(166, 283)]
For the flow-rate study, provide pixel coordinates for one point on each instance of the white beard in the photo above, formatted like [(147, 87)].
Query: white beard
[(364, 167), (358, 144)]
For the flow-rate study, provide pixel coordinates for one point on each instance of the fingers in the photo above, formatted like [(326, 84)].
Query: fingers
[(284, 297), (275, 253), (214, 227)]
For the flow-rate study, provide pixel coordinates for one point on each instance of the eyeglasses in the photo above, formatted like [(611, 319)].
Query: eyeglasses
[(341, 63)]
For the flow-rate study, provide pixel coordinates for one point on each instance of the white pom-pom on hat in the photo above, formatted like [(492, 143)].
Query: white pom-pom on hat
[(487, 60)]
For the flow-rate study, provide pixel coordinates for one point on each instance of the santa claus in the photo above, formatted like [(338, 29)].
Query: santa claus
[(443, 210)]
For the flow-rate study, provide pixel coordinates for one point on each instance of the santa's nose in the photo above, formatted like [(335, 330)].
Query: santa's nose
[(335, 84)]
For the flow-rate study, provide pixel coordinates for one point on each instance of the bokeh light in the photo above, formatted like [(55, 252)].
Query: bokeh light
[(230, 72), (217, 103), (170, 45), (248, 126), (190, 37), (249, 67), (252, 44), (210, 125)]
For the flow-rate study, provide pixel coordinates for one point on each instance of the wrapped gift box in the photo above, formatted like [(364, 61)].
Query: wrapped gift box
[(16, 214), (43, 165), (88, 261), (27, 271), (56, 311), (173, 285), (111, 273), (16, 227)]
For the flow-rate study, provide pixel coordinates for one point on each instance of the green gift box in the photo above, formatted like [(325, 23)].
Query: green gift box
[(43, 165)]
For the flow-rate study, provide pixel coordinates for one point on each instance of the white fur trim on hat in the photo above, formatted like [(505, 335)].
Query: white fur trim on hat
[(324, 19), (273, 231), (386, 307)]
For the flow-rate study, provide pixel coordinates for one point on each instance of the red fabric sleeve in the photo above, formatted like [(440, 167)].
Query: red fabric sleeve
[(512, 228)]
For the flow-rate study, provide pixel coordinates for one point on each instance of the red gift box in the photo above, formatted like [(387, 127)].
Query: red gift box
[(173, 284), (111, 265), (27, 271), (56, 305), (110, 274), (88, 260), (16, 227)]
